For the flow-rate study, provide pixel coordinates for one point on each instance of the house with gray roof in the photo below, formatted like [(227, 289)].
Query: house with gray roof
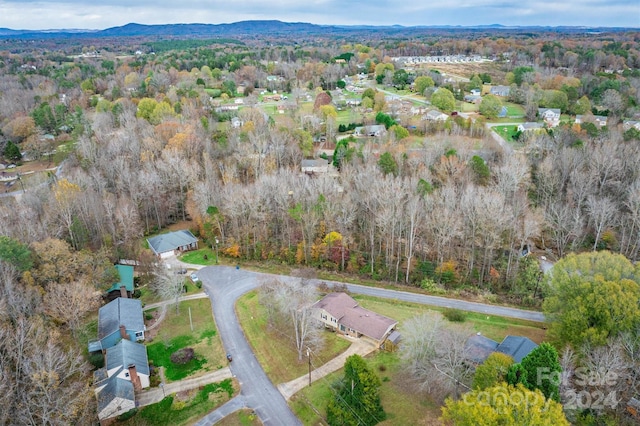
[(478, 347), (372, 131), (340, 312), (119, 319), (172, 243), (598, 120), (115, 397), (517, 347), (313, 167), (530, 126), (500, 90), (435, 115), (127, 361), (631, 124)]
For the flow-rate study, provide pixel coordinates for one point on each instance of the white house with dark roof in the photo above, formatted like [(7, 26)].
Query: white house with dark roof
[(435, 115), (340, 312), (172, 243), (551, 116), (530, 126), (598, 120), (631, 124)]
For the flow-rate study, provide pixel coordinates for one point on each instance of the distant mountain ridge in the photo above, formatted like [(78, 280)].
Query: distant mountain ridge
[(253, 27)]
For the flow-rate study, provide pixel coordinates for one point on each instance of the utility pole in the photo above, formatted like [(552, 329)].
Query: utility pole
[(309, 356), (19, 177)]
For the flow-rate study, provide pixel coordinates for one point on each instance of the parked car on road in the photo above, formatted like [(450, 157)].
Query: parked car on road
[(194, 277)]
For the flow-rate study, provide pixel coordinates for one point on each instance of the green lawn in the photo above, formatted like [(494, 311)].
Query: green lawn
[(507, 132), (275, 350), (175, 333), (466, 106), (494, 327), (171, 411), (514, 110), (403, 405), (203, 256)]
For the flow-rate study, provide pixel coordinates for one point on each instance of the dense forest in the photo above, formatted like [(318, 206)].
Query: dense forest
[(146, 133)]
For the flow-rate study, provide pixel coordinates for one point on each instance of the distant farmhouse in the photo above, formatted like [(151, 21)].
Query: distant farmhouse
[(172, 243), (530, 126), (375, 130), (550, 116), (315, 167)]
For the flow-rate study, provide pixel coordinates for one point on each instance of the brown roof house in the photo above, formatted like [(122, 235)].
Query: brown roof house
[(342, 313)]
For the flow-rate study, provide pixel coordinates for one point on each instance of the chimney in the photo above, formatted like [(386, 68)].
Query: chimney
[(135, 379), (123, 292), (123, 332)]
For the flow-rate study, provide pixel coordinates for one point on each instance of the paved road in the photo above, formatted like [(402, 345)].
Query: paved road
[(225, 285), (444, 302)]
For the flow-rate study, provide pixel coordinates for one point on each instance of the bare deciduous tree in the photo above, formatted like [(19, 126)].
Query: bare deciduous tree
[(289, 303), (168, 284), (435, 355)]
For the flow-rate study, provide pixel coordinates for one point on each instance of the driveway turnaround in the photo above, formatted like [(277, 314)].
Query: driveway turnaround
[(224, 285)]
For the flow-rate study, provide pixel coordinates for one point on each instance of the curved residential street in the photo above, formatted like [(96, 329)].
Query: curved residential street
[(224, 285)]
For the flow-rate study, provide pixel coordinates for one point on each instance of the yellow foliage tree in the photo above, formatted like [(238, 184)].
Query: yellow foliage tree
[(300, 253), (233, 250), (503, 405), (332, 237)]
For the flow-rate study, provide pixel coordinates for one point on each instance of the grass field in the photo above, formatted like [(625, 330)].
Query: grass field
[(175, 333), (176, 411), (514, 110), (241, 418), (403, 405), (203, 256), (275, 350)]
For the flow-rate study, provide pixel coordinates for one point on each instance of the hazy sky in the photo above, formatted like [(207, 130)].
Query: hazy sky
[(100, 14)]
